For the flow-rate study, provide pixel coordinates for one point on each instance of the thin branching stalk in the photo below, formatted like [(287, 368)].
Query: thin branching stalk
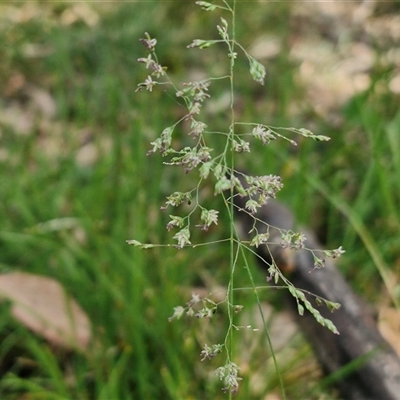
[(219, 164)]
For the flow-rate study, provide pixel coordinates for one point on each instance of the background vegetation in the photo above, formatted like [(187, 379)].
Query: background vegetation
[(73, 142)]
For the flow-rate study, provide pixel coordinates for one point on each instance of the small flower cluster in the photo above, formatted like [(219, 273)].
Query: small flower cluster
[(196, 307), (266, 134), (163, 143), (264, 187), (293, 240), (320, 262), (334, 253), (148, 42), (191, 157), (151, 63), (194, 94), (210, 352), (207, 217), (260, 238), (229, 374), (241, 146), (177, 198), (261, 133), (273, 273), (183, 237)]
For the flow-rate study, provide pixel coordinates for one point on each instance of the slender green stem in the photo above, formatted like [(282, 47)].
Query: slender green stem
[(254, 289), (233, 257)]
